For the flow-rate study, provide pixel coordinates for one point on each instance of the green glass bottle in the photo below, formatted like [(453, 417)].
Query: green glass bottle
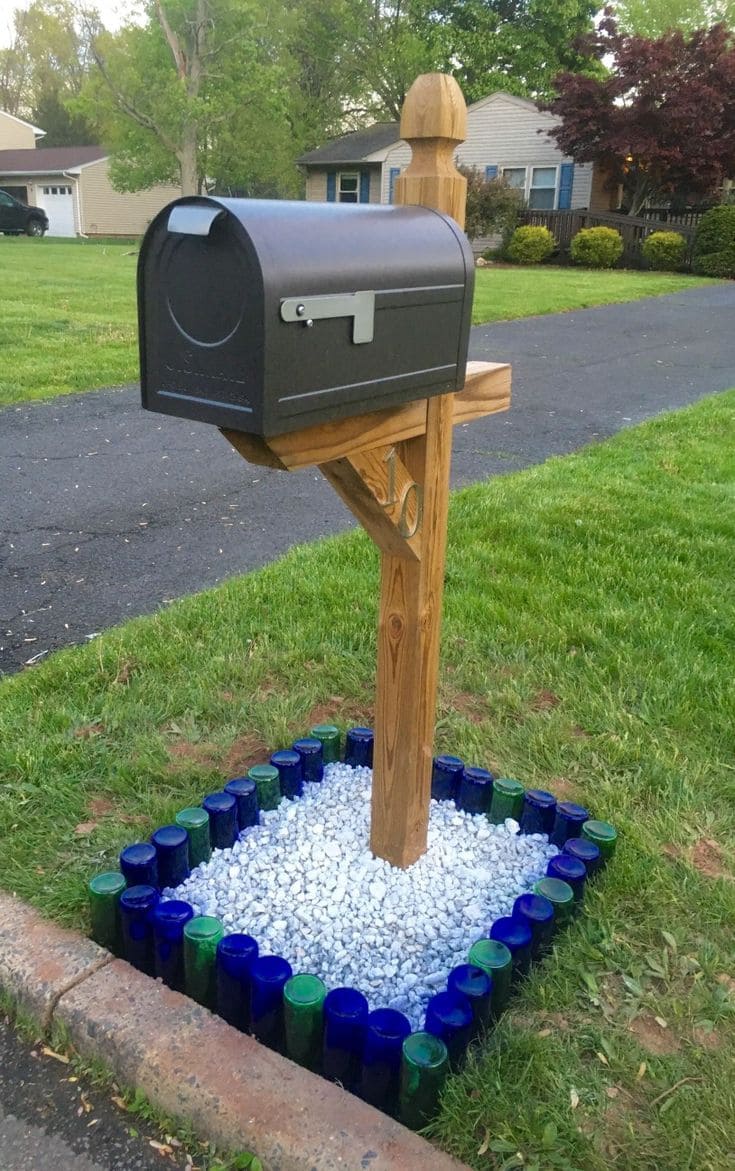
[(560, 895), (494, 958), (195, 821), (268, 784), (603, 835), (303, 1008), (104, 892), (424, 1068), (201, 936), (328, 735), (507, 800)]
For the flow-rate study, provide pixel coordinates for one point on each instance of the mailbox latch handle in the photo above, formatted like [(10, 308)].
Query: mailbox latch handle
[(359, 306)]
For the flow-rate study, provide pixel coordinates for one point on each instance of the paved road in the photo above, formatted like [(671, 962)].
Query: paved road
[(108, 511), (51, 1120)]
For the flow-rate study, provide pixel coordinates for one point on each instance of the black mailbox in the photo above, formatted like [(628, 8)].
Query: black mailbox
[(268, 316)]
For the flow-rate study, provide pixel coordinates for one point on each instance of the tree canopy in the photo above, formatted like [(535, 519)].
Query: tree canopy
[(653, 18), (44, 68), (662, 122)]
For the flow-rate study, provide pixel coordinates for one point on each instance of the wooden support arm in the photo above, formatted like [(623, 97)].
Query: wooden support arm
[(486, 391)]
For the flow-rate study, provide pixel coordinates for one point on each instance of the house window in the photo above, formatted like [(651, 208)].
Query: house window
[(348, 187), (515, 177), (542, 189)]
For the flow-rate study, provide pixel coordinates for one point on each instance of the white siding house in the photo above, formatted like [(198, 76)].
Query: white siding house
[(506, 135)]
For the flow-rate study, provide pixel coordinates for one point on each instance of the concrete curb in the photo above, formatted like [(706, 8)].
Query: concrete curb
[(191, 1064)]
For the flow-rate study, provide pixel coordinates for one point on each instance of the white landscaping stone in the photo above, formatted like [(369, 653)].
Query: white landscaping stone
[(316, 895)]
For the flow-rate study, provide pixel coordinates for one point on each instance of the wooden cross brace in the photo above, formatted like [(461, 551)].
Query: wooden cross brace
[(391, 469)]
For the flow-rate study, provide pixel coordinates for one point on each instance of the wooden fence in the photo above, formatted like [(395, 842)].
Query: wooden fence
[(634, 229)]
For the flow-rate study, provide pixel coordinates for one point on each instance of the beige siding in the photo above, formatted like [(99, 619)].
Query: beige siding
[(503, 132), (106, 212), (316, 185), (375, 181), (14, 134), (602, 198)]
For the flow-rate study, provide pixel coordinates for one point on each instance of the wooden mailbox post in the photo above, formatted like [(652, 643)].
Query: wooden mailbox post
[(391, 468)]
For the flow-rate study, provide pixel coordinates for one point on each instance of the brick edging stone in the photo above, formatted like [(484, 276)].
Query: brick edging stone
[(190, 1063)]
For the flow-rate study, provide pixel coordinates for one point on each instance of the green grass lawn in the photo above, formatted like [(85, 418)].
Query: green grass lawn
[(507, 292), (587, 648), (67, 309)]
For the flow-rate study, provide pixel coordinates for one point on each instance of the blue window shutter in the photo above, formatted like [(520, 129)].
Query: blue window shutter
[(331, 187), (364, 186), (566, 179), (491, 172), (393, 175)]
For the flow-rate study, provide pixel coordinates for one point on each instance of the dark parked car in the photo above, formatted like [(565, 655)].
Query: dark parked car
[(17, 217)]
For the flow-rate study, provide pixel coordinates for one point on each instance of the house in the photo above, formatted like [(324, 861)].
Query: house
[(72, 185), (505, 136)]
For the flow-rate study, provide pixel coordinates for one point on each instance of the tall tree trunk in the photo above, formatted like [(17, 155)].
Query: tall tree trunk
[(188, 161)]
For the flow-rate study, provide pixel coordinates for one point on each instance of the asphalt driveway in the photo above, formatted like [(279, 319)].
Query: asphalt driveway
[(108, 511)]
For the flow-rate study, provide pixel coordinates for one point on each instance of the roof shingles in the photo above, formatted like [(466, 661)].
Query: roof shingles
[(353, 148), (48, 160)]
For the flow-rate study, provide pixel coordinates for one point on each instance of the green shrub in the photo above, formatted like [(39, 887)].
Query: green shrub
[(719, 264), (715, 231), (664, 250), (492, 205), (530, 245), (597, 247)]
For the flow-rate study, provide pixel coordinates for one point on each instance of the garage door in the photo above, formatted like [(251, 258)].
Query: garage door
[(58, 203)]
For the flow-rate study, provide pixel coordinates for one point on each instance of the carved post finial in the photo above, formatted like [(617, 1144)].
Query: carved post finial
[(434, 122)]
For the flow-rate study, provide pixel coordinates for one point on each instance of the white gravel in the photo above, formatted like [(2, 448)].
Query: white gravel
[(306, 886)]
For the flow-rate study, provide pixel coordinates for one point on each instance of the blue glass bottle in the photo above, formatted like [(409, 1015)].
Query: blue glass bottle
[(359, 747), (517, 938), (245, 792), (539, 812), (449, 1016), (475, 790), (569, 869), (235, 957), (169, 918), (474, 983), (268, 975), (139, 864), (586, 851), (385, 1033), (290, 772), (222, 810), (568, 822), (312, 760), (172, 854), (136, 904), (445, 775), (345, 1022), (538, 913)]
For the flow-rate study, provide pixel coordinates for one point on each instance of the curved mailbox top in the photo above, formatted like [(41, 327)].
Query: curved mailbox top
[(268, 316)]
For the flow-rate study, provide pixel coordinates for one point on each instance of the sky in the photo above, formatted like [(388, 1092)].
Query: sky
[(111, 11)]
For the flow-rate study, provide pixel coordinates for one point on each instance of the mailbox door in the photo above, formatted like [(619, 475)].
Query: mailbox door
[(200, 302)]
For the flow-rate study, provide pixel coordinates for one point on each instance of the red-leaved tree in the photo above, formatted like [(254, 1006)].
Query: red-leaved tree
[(662, 122)]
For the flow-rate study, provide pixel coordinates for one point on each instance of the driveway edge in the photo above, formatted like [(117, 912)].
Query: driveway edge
[(190, 1063)]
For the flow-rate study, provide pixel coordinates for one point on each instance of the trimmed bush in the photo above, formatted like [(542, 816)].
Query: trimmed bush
[(531, 245), (664, 251), (719, 264), (714, 243), (715, 230), (597, 247)]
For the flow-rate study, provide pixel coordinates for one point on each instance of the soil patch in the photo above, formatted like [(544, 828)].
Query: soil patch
[(563, 789), (337, 710), (244, 753), (464, 703), (184, 754), (653, 1037), (708, 858), (544, 701), (707, 1039)]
